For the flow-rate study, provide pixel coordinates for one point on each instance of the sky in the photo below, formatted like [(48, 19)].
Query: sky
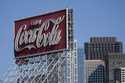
[(91, 18)]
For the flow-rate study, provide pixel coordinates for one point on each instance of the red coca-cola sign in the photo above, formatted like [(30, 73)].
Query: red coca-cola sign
[(40, 34)]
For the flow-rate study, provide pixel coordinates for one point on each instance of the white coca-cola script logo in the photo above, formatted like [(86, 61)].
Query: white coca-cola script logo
[(37, 35)]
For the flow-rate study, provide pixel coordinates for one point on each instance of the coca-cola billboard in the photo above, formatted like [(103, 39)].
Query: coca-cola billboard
[(40, 34)]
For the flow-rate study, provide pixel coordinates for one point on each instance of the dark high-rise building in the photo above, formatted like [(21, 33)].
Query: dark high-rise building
[(98, 47)]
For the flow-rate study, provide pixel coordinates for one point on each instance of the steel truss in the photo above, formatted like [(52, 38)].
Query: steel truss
[(41, 69), (51, 68)]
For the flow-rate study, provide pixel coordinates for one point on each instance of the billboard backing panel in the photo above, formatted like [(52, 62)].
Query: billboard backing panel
[(40, 34)]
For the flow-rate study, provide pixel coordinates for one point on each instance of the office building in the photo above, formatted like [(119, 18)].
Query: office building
[(99, 47), (119, 75), (94, 71), (115, 68)]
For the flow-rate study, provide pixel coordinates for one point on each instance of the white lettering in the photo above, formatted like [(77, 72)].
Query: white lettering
[(39, 36)]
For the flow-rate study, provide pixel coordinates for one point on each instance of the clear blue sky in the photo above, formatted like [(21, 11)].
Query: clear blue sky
[(91, 18)]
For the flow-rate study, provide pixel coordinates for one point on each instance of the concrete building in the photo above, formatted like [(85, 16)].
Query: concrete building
[(119, 75), (99, 47), (115, 64), (95, 71)]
